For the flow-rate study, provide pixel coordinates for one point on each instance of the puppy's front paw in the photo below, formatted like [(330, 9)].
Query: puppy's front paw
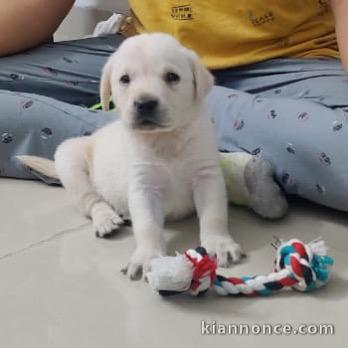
[(225, 248), (139, 264), (106, 222)]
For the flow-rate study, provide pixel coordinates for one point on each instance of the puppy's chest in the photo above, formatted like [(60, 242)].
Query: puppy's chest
[(177, 189), (178, 175)]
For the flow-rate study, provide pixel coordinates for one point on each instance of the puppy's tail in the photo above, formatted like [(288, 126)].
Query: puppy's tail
[(40, 166)]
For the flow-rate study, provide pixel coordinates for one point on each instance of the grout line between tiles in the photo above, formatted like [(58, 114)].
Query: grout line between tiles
[(42, 242)]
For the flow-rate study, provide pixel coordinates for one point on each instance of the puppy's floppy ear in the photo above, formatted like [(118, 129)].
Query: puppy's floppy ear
[(105, 86), (203, 80)]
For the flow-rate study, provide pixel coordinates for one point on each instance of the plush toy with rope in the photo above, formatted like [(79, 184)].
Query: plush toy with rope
[(299, 266)]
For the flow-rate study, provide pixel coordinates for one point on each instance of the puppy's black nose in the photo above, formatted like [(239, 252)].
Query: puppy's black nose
[(146, 106)]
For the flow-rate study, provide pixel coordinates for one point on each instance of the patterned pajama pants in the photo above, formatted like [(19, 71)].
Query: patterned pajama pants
[(292, 112)]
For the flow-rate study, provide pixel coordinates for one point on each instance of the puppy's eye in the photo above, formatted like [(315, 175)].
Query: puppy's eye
[(171, 77), (125, 79)]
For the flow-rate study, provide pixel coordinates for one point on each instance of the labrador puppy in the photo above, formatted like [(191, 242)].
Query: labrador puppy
[(159, 161)]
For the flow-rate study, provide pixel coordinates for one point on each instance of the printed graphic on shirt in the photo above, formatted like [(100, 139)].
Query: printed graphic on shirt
[(182, 13), (267, 17), (323, 7)]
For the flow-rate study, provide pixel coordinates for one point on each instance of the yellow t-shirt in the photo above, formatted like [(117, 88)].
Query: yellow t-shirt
[(228, 33)]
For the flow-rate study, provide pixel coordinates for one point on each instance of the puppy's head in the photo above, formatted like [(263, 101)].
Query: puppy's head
[(155, 82)]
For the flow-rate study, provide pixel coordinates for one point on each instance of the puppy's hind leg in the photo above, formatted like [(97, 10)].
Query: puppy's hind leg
[(71, 161)]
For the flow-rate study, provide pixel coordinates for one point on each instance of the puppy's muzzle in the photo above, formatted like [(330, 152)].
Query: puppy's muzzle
[(147, 113), (146, 106)]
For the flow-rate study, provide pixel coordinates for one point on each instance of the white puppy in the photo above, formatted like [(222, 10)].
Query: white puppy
[(159, 160)]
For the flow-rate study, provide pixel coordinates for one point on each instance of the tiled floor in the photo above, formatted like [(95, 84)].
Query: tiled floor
[(61, 287)]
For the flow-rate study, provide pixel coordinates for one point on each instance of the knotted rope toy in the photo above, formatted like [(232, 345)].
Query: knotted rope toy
[(300, 266)]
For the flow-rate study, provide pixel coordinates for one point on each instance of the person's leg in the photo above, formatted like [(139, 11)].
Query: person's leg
[(35, 125), (297, 123), (68, 71), (318, 80)]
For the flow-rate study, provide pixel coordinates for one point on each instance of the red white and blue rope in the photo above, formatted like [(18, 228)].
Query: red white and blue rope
[(299, 266)]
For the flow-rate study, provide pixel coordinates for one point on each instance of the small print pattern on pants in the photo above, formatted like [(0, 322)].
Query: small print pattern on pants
[(292, 112)]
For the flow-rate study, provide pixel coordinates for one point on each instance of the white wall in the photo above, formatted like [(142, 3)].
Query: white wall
[(84, 16), (120, 6)]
